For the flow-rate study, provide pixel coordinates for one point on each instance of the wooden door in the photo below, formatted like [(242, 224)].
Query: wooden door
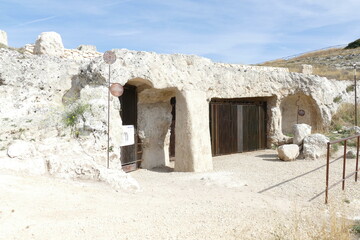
[(237, 126)]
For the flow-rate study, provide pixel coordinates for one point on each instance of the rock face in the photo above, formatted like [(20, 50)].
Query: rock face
[(315, 146), (49, 43), (3, 38), (288, 152), (37, 93), (300, 132), (87, 48), (20, 149)]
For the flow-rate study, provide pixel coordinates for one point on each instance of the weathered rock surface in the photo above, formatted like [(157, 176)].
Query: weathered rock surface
[(87, 48), (37, 90), (49, 43), (315, 146), (65, 158), (3, 38), (21, 149), (288, 152), (300, 132)]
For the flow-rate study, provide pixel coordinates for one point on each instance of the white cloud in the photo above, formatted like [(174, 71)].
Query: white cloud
[(36, 21)]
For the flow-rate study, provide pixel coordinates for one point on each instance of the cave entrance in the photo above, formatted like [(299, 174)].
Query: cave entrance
[(130, 155)]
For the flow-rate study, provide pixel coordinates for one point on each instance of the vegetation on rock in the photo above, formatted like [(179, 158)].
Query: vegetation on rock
[(73, 114)]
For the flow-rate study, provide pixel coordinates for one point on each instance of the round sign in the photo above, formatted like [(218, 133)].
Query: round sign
[(116, 89), (109, 57), (301, 113)]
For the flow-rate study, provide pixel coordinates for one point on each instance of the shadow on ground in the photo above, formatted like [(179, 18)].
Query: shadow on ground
[(270, 157)]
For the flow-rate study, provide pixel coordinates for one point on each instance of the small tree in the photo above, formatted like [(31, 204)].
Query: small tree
[(354, 44)]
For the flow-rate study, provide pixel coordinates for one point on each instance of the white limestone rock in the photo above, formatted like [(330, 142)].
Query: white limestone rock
[(300, 132), (351, 154), (49, 43), (3, 38), (29, 48), (315, 146), (21, 149), (288, 152), (307, 69), (355, 130), (87, 48)]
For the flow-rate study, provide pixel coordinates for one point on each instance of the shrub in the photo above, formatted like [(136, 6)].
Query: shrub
[(354, 44), (73, 114), (337, 99), (345, 116), (350, 88), (356, 228)]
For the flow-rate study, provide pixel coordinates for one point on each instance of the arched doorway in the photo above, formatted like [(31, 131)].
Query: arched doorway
[(290, 116)]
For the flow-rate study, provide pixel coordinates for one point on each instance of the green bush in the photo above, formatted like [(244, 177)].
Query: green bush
[(73, 114), (356, 228), (354, 44), (337, 99), (350, 88)]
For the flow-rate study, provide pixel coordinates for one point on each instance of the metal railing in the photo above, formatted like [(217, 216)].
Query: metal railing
[(344, 177)]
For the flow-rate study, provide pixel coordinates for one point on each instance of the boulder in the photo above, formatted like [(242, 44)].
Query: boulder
[(288, 152), (300, 132), (20, 149), (3, 38), (49, 43), (87, 48), (351, 154), (355, 130), (315, 146)]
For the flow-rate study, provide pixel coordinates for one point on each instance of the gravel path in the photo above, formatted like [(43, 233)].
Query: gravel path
[(248, 196)]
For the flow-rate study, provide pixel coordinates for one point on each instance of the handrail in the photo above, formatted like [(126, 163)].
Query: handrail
[(344, 164)]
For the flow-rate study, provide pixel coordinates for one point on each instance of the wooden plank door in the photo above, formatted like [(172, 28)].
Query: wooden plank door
[(237, 126)]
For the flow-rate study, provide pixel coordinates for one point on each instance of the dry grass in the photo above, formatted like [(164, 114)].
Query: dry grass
[(332, 73), (345, 116), (333, 227), (320, 60)]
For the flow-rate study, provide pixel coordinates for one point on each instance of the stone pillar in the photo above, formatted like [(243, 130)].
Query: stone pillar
[(154, 120), (3, 38), (307, 69), (192, 143)]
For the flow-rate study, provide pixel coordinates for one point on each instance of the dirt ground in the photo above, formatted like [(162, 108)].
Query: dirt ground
[(247, 196)]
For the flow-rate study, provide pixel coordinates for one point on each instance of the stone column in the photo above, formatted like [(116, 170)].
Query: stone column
[(193, 147), (154, 120)]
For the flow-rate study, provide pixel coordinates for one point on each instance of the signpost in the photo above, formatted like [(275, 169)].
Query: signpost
[(116, 90)]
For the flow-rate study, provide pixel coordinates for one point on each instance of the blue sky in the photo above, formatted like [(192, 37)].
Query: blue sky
[(231, 31)]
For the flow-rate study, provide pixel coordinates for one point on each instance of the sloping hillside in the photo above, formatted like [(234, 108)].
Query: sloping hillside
[(333, 63)]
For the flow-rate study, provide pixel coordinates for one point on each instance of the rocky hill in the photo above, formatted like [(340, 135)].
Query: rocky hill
[(333, 63)]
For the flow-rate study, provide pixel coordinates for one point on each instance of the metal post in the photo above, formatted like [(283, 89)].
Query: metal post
[(109, 58), (108, 141), (357, 159), (327, 172), (355, 87), (344, 165)]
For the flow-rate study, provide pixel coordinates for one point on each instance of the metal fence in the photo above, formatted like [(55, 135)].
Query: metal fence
[(344, 176)]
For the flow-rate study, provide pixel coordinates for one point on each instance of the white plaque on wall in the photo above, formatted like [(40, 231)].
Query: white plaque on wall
[(127, 137)]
